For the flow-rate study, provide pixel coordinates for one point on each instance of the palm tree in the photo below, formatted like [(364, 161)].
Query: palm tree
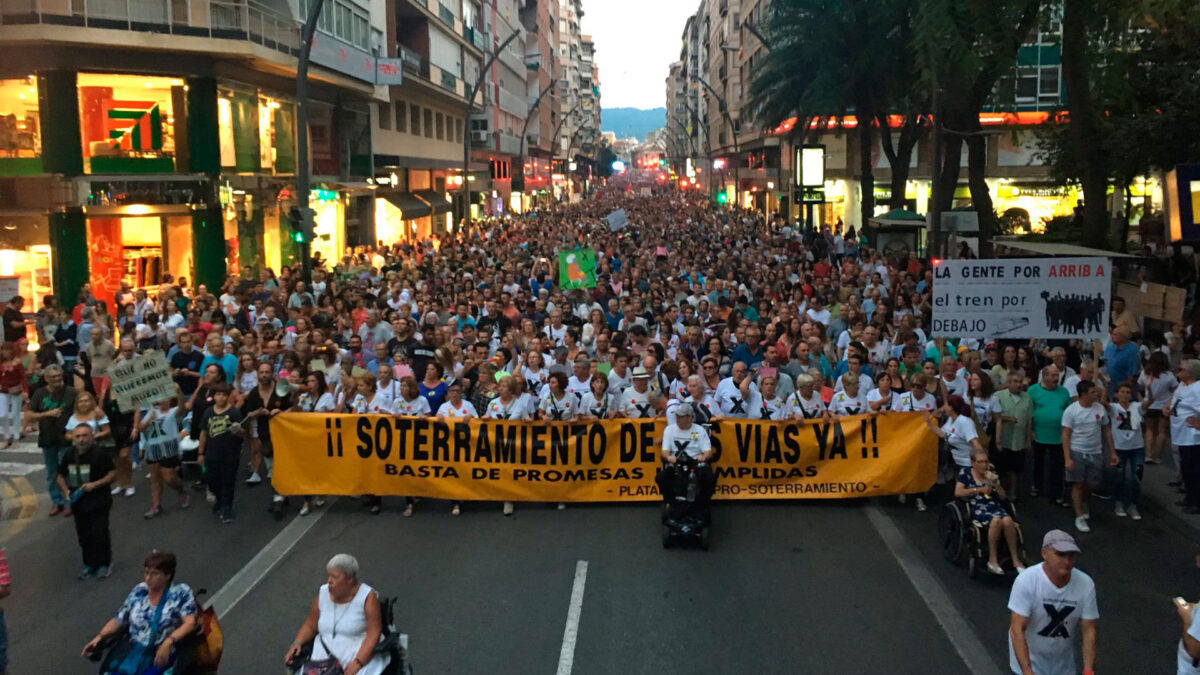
[(829, 59)]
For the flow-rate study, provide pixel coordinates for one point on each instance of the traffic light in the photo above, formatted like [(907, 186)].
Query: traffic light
[(301, 223), (722, 197)]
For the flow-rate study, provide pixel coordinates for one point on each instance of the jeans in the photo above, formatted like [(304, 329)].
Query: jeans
[(1048, 468), (10, 417), (222, 480), (52, 456), (1128, 486), (3, 643), (1189, 467)]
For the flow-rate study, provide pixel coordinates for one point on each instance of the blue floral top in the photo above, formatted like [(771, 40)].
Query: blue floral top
[(137, 613)]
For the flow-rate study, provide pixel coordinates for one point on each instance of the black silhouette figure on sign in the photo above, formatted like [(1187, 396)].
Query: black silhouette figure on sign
[(1074, 313)]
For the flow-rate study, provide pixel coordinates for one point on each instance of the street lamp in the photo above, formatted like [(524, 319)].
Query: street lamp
[(737, 186), (467, 109)]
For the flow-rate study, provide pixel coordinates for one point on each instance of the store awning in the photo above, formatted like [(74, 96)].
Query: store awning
[(410, 207), (436, 201), (1057, 249)]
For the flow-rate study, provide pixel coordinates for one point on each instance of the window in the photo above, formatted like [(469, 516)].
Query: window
[(428, 123), (441, 127), (1048, 82), (1027, 83), (401, 117), (415, 118), (385, 116), (458, 131), (342, 29)]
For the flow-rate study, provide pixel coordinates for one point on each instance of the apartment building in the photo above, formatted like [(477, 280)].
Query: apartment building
[(542, 94), (153, 137)]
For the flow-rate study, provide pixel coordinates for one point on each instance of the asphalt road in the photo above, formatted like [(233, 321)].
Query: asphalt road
[(787, 587)]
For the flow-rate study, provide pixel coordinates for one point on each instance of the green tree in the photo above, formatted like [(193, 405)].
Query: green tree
[(963, 49)]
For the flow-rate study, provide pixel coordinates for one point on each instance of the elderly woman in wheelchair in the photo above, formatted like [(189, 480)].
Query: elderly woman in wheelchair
[(980, 488)]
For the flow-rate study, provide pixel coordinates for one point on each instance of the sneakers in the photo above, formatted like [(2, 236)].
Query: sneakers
[(408, 510), (1152, 460), (994, 568), (130, 491), (153, 512), (1081, 524), (1134, 513), (305, 509), (1106, 496), (104, 572), (508, 508), (456, 510), (1033, 492), (184, 500), (562, 506), (318, 501), (116, 490), (210, 497), (903, 499), (87, 573), (1119, 509), (254, 479), (921, 504), (226, 518)]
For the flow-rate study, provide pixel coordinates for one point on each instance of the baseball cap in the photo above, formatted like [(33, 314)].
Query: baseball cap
[(1060, 541), (684, 410)]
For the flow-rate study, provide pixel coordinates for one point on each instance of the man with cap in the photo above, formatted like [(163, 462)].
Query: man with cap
[(1051, 602), (1184, 410), (635, 402), (692, 439)]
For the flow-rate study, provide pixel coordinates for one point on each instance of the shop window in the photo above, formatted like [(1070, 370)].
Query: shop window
[(25, 259), (129, 122), (20, 132)]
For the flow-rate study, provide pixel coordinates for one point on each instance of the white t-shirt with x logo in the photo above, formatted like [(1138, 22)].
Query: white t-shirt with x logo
[(1054, 614)]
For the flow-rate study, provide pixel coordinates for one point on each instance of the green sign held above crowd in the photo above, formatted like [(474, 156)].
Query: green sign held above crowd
[(577, 269)]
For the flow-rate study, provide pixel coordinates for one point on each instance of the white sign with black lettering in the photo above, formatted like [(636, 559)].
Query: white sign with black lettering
[(141, 381), (1060, 298)]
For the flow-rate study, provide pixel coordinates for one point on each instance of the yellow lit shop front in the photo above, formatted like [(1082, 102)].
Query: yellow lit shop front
[(25, 259)]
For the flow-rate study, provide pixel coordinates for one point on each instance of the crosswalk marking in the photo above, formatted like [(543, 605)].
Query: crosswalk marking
[(20, 468), (22, 450)]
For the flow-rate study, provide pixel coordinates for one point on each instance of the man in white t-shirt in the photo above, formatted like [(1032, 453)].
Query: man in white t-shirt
[(1188, 660), (680, 438), (1086, 435), (635, 401), (1051, 602)]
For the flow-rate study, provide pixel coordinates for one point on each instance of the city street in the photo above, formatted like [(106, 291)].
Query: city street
[(851, 587)]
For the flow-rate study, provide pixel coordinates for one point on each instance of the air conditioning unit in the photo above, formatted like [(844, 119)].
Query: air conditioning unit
[(481, 136)]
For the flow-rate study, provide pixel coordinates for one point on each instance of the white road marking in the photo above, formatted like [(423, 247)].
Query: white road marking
[(19, 468), (22, 449), (240, 584), (968, 645), (566, 657)]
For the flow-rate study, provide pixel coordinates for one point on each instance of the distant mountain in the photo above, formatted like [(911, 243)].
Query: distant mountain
[(626, 122)]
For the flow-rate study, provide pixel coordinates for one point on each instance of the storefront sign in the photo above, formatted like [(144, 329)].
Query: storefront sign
[(389, 72), (609, 461), (141, 381), (1063, 298)]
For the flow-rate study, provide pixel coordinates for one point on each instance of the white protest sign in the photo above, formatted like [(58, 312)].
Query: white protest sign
[(141, 381), (1048, 298), (617, 220)]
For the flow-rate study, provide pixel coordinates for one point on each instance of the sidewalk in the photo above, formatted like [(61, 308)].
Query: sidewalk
[(1159, 498)]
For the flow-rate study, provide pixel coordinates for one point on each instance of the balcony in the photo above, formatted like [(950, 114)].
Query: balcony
[(225, 19)]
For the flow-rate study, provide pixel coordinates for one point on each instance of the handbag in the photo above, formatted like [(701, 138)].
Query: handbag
[(326, 666), (210, 643)]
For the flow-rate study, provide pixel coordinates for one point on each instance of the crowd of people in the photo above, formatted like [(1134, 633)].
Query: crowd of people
[(732, 313)]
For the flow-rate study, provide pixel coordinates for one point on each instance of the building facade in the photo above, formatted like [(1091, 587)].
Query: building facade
[(148, 138)]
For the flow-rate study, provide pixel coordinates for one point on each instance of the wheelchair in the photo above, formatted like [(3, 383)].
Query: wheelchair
[(964, 539)]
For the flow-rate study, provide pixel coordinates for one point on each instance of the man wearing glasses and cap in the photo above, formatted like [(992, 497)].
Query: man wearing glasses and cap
[(1050, 603), (685, 437)]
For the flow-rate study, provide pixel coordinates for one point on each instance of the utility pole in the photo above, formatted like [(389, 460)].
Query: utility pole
[(302, 215), (470, 105), (935, 209)]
